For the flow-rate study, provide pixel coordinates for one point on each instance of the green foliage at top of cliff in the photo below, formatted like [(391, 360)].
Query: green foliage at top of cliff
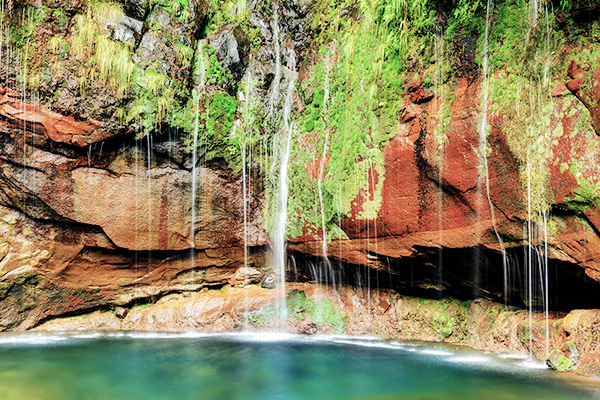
[(68, 54)]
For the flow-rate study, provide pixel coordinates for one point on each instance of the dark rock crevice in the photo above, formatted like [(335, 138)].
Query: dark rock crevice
[(449, 273)]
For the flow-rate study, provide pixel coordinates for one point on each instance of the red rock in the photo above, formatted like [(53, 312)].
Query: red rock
[(420, 96), (53, 126), (574, 85), (559, 90), (573, 69)]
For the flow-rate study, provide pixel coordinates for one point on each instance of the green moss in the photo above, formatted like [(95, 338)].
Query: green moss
[(141, 306), (223, 12), (533, 56), (443, 325), (107, 61), (155, 99), (352, 117), (559, 362), (264, 316), (520, 93), (320, 312)]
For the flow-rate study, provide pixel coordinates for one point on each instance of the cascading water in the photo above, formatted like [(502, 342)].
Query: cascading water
[(200, 71), (245, 172), (483, 144), (327, 264), (245, 201), (546, 294), (438, 94), (282, 201), (282, 149), (320, 187), (529, 261)]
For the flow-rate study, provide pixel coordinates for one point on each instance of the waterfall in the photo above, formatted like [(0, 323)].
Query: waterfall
[(322, 171), (320, 187), (245, 201), (282, 149), (483, 141), (438, 94), (529, 261), (281, 216), (194, 156), (149, 194), (201, 69), (546, 296), (245, 173)]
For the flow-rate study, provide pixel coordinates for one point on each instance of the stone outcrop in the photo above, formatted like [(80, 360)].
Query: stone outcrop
[(75, 222)]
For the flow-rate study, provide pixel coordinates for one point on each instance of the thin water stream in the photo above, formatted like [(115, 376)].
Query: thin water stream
[(483, 149)]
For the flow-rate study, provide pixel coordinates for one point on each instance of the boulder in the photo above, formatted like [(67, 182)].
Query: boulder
[(125, 29), (245, 276), (231, 49), (121, 312), (559, 362), (155, 50)]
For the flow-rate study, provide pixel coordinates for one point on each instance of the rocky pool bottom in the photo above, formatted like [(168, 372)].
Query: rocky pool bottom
[(146, 366)]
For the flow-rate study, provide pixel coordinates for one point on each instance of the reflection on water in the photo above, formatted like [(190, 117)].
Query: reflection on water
[(236, 366)]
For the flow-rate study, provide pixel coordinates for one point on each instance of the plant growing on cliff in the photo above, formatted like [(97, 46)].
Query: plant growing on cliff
[(154, 99), (107, 61)]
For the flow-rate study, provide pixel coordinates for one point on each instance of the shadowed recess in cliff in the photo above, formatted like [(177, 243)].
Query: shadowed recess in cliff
[(419, 275)]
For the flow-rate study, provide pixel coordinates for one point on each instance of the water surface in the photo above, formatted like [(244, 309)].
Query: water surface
[(195, 366)]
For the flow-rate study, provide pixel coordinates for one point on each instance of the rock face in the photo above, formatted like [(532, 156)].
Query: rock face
[(232, 47), (431, 207), (74, 222)]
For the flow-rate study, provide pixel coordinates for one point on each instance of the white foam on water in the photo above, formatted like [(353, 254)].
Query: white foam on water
[(382, 345), (513, 356), (436, 352), (531, 364), (165, 335), (194, 335), (149, 335), (470, 359), (261, 336), (32, 339), (90, 335)]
